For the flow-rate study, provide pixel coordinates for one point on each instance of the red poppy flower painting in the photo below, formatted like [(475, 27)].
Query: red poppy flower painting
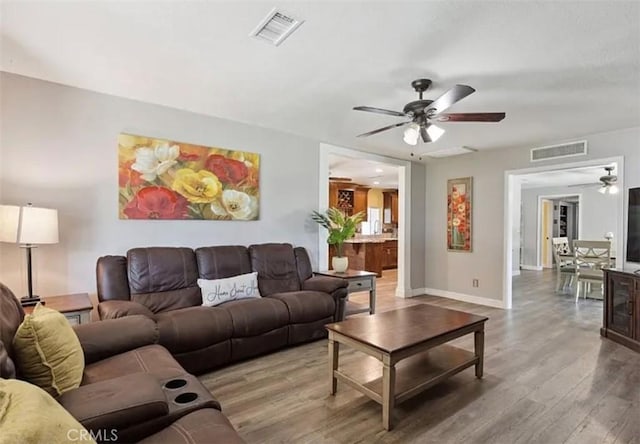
[(459, 205), (164, 179)]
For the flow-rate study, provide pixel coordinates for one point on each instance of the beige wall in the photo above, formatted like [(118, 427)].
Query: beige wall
[(374, 198), (455, 271)]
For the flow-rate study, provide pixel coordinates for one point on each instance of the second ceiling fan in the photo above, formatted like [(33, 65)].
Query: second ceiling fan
[(422, 113)]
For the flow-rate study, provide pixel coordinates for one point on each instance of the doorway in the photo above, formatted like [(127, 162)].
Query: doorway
[(609, 220), (559, 216), (402, 202)]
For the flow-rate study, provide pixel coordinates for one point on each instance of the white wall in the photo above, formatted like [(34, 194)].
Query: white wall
[(453, 272), (599, 215), (59, 150), (516, 229)]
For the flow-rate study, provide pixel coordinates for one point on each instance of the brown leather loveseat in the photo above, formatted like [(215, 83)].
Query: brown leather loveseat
[(161, 283), (132, 389)]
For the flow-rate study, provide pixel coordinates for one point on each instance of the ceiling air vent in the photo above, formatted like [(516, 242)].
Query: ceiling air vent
[(276, 27), (558, 151)]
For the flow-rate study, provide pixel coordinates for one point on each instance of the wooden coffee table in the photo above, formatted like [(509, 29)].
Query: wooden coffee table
[(410, 343)]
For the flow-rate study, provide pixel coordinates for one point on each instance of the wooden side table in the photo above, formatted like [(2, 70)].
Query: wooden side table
[(358, 281), (75, 307)]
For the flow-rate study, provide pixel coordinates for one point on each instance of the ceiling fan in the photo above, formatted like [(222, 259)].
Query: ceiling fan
[(607, 183), (424, 112)]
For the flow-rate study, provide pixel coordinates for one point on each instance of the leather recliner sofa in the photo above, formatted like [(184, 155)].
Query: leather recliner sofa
[(132, 389), (161, 283)]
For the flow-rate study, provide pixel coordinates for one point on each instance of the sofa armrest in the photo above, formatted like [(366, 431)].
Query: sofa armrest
[(116, 404), (102, 339), (336, 287), (117, 309), (327, 284)]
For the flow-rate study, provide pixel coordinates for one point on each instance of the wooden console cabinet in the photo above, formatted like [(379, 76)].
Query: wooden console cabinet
[(621, 320)]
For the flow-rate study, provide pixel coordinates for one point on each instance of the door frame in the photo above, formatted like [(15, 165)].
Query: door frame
[(510, 183), (538, 227), (403, 288)]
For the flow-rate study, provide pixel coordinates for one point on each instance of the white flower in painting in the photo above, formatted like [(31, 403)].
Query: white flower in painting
[(236, 204), (152, 162)]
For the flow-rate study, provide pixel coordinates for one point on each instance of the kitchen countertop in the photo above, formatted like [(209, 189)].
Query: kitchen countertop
[(370, 240)]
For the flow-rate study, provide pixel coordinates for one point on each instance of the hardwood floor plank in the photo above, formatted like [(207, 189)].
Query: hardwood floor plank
[(548, 378)]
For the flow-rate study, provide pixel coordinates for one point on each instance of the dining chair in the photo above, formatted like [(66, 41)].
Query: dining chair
[(565, 267), (590, 258)]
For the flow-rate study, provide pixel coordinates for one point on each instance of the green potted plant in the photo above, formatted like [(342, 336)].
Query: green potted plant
[(340, 227)]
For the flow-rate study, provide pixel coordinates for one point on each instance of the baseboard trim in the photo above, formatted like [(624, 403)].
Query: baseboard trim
[(515, 273), (479, 300), (531, 267)]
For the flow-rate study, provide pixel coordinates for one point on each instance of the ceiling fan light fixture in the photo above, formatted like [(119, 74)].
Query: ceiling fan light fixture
[(434, 132), (411, 134), (613, 189), (602, 189)]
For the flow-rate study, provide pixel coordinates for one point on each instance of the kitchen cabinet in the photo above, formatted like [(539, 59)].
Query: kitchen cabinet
[(390, 254), (360, 197), (621, 320), (349, 197), (390, 204), (364, 255)]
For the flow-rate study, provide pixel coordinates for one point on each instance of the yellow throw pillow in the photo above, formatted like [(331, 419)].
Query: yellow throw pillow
[(48, 352), (28, 415)]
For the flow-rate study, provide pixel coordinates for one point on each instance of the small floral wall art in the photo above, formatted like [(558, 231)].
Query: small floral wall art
[(459, 206), (164, 179)]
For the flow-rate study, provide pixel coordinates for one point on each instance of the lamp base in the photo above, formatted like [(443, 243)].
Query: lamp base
[(27, 301)]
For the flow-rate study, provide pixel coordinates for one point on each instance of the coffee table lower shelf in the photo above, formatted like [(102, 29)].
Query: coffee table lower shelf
[(416, 373)]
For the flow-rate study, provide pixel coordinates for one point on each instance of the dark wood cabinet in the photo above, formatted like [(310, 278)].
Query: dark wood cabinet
[(360, 201), (390, 206), (390, 254), (621, 320), (350, 198)]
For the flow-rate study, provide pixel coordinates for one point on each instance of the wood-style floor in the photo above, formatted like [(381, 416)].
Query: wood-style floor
[(548, 378)]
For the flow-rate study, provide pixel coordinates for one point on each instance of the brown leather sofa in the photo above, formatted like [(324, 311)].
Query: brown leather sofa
[(130, 384), (161, 283)]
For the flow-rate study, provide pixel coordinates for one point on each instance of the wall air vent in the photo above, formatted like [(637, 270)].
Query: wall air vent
[(276, 27), (572, 149)]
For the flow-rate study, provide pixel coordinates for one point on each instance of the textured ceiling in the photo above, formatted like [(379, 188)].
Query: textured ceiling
[(560, 70)]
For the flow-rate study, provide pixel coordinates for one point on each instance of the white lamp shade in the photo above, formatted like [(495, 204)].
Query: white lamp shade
[(434, 132), (38, 226), (9, 220)]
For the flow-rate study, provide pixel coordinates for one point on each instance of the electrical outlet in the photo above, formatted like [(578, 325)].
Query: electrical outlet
[(476, 283)]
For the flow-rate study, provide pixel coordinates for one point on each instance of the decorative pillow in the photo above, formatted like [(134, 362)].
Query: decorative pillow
[(48, 352), (29, 415), (217, 291)]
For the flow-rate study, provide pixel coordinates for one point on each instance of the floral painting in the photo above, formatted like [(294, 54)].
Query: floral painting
[(164, 179), (459, 202)]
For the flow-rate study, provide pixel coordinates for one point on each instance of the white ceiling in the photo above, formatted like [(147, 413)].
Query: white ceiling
[(566, 177), (364, 172), (560, 70)]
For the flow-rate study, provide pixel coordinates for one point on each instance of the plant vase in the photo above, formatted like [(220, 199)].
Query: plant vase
[(340, 263)]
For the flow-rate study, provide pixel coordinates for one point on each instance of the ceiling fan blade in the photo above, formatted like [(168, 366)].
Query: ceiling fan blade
[(388, 112), (379, 130), (469, 117), (425, 135), (455, 94)]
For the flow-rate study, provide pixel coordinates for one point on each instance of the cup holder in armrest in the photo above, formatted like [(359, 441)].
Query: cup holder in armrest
[(185, 398), (175, 384)]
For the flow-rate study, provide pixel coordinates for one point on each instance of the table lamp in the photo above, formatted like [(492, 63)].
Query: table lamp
[(28, 226)]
